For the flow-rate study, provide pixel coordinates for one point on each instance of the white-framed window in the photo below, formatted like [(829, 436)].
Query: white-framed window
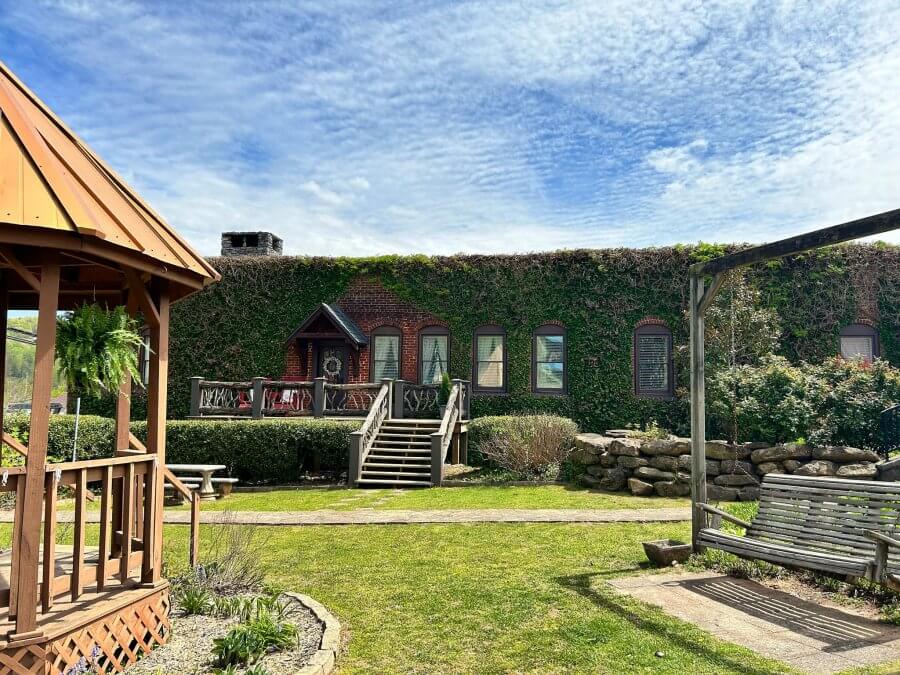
[(434, 354), (385, 353), (490, 359)]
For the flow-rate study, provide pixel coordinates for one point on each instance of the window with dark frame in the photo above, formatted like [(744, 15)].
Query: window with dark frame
[(385, 353), (859, 341), (548, 360), (653, 367), (434, 354), (490, 359)]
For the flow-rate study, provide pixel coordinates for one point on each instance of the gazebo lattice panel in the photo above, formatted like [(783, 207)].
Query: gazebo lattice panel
[(117, 640), (27, 660)]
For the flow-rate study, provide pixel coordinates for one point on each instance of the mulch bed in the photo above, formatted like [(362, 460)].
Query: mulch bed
[(188, 650)]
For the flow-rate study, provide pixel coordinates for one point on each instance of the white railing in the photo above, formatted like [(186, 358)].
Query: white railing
[(361, 441), (443, 438)]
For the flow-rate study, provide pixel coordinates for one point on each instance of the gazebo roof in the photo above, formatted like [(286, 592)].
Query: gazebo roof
[(56, 192)]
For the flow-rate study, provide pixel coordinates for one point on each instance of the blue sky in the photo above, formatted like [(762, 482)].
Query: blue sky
[(485, 126)]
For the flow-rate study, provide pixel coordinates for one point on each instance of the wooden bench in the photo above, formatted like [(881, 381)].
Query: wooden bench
[(840, 527), (223, 485)]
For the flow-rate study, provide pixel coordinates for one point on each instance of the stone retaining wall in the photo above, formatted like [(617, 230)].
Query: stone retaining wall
[(663, 467)]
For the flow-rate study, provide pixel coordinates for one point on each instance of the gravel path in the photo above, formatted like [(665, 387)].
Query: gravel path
[(398, 517), (188, 651)]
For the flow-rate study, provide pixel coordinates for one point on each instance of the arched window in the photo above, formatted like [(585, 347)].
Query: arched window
[(548, 360), (385, 353), (434, 354), (653, 368), (859, 341), (489, 359)]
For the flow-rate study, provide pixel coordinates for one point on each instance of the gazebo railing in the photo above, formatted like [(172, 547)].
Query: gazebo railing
[(125, 549)]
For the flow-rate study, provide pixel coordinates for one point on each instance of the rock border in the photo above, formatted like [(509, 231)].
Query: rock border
[(323, 661)]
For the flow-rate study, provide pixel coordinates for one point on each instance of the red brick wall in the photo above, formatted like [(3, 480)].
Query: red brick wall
[(371, 306)]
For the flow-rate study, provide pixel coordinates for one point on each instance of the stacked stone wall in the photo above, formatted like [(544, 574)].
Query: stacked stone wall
[(734, 471)]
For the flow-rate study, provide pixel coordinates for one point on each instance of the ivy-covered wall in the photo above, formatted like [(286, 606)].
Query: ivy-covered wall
[(237, 328)]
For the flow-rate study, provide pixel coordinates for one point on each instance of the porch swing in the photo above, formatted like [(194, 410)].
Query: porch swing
[(844, 528)]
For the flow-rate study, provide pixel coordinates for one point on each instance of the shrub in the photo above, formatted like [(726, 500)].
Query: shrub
[(246, 642), (836, 402), (532, 446), (257, 451), (194, 599)]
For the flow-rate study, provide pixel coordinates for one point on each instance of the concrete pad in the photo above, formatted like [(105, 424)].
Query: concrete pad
[(777, 625)]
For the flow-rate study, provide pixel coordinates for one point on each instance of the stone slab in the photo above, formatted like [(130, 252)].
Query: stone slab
[(804, 635)]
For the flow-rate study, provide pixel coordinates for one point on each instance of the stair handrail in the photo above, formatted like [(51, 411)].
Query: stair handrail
[(441, 439), (361, 441)]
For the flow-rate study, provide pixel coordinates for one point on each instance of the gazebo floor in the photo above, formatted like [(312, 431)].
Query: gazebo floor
[(113, 627)]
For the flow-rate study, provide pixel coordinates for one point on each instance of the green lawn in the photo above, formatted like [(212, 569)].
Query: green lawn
[(469, 497), (488, 598)]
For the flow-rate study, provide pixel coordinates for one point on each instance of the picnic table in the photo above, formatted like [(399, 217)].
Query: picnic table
[(205, 470)]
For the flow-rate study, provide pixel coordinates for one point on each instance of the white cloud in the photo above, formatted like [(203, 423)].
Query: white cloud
[(354, 127)]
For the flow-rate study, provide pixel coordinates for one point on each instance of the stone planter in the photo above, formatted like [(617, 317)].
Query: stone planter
[(666, 552)]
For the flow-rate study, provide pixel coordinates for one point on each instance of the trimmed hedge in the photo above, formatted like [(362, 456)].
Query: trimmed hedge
[(255, 451)]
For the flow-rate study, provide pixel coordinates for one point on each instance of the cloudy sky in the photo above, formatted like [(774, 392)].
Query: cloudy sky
[(361, 127)]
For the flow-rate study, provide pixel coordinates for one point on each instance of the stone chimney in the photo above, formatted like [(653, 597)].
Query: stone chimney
[(250, 243)]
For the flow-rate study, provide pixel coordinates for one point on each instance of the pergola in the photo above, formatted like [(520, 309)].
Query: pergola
[(72, 231), (702, 295)]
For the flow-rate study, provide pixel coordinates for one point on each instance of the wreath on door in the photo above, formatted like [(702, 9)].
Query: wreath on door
[(331, 365)]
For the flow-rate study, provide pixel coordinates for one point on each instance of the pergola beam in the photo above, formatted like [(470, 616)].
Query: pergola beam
[(855, 229)]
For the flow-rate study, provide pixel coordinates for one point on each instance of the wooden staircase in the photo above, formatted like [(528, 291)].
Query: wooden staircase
[(400, 454)]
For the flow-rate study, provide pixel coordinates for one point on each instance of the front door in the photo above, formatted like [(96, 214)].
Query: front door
[(331, 362)]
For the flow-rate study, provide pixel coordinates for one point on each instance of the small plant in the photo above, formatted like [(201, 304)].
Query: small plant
[(443, 394), (246, 642), (235, 562), (652, 431), (194, 599)]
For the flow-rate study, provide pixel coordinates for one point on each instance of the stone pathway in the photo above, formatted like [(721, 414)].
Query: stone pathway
[(807, 636), (398, 517)]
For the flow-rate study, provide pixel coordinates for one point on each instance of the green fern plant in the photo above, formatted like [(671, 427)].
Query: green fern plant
[(96, 349)]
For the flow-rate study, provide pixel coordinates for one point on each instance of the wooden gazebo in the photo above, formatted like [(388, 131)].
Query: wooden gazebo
[(72, 231)]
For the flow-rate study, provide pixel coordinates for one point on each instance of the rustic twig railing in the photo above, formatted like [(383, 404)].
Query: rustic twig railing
[(361, 441), (277, 398)]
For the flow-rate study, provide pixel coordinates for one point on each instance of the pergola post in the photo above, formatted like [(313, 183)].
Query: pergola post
[(35, 462), (698, 408)]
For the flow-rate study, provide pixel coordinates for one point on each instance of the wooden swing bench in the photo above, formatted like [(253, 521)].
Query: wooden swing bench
[(844, 528)]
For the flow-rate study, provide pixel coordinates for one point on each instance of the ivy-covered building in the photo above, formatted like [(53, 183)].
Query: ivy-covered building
[(597, 335)]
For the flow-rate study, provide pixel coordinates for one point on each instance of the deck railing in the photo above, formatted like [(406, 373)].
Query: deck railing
[(318, 398), (125, 549)]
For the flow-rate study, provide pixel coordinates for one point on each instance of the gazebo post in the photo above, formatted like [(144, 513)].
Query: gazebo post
[(123, 429), (35, 462), (4, 320), (156, 421)]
